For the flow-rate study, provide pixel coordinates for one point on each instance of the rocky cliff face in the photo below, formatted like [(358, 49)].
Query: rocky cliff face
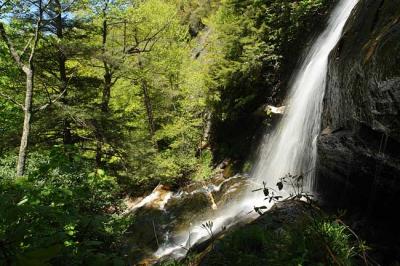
[(359, 148)]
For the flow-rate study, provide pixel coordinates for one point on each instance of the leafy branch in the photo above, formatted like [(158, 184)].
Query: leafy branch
[(296, 186), (208, 226)]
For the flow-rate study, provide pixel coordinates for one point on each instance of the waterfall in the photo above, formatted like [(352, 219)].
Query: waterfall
[(291, 148)]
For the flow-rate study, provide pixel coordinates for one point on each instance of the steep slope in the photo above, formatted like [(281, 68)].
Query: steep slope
[(359, 148)]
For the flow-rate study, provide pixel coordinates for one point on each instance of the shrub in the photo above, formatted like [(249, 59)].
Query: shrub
[(59, 213), (308, 242)]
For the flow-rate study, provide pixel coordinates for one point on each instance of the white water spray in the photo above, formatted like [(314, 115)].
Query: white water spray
[(291, 148)]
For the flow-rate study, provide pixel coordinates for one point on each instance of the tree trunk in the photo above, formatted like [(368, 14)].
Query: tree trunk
[(205, 139), (106, 94), (29, 73), (106, 90), (99, 153), (104, 113), (27, 117), (62, 59)]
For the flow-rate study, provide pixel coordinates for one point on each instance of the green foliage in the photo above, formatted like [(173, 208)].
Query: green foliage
[(146, 43), (313, 241), (204, 169), (60, 214), (227, 70), (83, 157), (254, 46), (123, 94), (10, 113), (176, 92)]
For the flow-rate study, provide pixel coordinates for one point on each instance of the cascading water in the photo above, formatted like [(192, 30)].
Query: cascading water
[(291, 148)]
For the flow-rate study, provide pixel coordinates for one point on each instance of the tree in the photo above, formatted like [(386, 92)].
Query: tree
[(27, 66), (89, 56), (59, 26), (54, 75)]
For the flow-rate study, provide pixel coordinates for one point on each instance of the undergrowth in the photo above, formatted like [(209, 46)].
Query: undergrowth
[(310, 241), (314, 238)]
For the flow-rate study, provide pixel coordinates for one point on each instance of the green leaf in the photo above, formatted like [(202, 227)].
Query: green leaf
[(100, 172)]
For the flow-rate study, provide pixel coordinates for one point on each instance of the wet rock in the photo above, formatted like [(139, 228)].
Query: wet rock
[(228, 171), (230, 191), (163, 213), (267, 110), (275, 110), (359, 148), (360, 143), (148, 228), (157, 199), (187, 208)]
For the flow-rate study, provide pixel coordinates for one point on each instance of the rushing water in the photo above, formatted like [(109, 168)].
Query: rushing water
[(291, 148)]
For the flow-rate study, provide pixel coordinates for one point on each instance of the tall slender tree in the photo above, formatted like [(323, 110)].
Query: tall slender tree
[(25, 61), (62, 61)]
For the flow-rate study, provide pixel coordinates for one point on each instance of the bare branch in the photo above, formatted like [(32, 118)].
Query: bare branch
[(47, 5), (8, 98), (36, 38), (47, 93), (68, 6), (26, 46), (115, 81), (51, 101), (150, 38), (11, 47)]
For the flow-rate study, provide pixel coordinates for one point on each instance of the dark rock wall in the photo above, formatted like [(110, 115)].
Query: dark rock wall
[(364, 73), (359, 148)]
